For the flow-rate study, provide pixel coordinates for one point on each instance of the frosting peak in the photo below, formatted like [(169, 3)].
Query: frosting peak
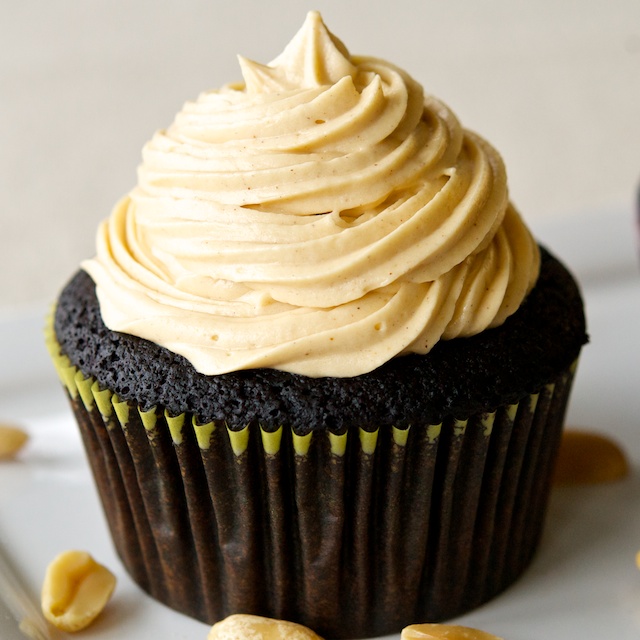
[(314, 58), (321, 218)]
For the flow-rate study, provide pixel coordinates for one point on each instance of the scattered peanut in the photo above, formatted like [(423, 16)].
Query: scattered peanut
[(244, 627), (248, 627), (589, 458), (444, 631), (12, 439), (75, 591)]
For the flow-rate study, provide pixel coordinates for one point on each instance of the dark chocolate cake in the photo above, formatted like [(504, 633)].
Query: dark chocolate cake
[(354, 506), (499, 366), (298, 236)]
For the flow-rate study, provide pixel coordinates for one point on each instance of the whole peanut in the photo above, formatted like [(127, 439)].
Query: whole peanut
[(12, 439), (75, 591)]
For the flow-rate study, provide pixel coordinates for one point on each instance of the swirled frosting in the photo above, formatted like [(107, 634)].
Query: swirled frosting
[(322, 217)]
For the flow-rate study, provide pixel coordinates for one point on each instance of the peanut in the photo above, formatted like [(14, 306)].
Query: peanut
[(12, 439), (589, 458), (443, 632), (248, 627), (75, 591)]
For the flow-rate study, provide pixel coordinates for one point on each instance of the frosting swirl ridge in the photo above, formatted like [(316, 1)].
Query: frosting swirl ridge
[(321, 218)]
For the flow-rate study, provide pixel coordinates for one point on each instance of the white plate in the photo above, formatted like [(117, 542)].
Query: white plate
[(582, 584)]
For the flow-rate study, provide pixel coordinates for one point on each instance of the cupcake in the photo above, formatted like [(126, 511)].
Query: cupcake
[(319, 364)]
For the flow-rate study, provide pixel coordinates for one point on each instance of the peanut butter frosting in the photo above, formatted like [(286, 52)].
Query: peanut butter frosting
[(321, 218)]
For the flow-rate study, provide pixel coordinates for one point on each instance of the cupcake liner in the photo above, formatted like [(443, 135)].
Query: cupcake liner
[(354, 534)]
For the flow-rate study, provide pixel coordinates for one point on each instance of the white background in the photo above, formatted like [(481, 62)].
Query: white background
[(553, 84)]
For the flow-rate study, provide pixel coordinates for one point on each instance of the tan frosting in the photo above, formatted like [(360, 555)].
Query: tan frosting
[(321, 218)]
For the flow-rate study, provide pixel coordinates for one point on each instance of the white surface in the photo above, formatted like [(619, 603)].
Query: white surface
[(583, 583), (554, 86)]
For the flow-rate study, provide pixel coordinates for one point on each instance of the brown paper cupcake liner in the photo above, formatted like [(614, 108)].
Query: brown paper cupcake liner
[(353, 534)]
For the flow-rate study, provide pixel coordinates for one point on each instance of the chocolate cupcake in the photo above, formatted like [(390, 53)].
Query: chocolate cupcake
[(319, 364)]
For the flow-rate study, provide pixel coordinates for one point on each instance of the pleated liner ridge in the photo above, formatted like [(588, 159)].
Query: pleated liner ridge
[(354, 535)]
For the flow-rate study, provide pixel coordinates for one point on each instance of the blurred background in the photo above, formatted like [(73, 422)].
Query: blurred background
[(553, 84)]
